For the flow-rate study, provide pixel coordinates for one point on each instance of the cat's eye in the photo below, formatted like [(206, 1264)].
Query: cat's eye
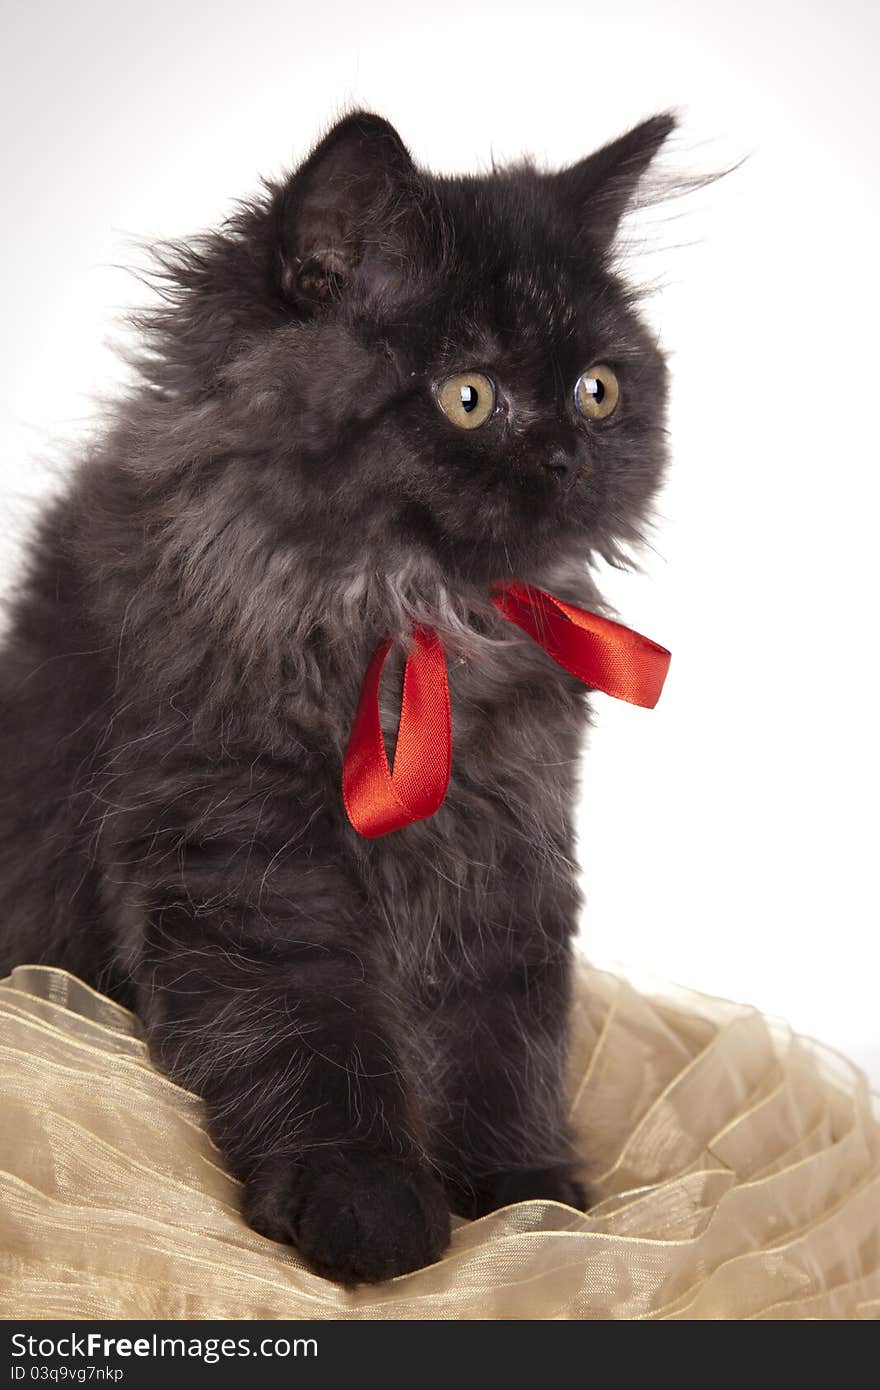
[(468, 399), (597, 393)]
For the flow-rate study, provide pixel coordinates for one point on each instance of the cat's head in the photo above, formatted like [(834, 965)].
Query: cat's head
[(422, 364)]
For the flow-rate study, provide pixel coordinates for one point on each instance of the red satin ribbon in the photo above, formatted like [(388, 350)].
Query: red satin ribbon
[(606, 655), (378, 800), (601, 653)]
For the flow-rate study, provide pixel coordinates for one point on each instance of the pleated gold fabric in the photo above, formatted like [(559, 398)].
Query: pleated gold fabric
[(735, 1169)]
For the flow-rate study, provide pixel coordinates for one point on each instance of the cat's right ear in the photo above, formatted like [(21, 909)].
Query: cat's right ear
[(342, 215)]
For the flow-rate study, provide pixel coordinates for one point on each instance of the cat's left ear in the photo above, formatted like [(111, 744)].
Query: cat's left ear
[(601, 187), (343, 214)]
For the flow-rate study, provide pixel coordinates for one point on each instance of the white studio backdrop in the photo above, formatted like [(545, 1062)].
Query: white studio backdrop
[(729, 837)]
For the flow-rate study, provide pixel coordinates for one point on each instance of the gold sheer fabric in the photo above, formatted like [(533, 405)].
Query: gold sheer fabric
[(735, 1170)]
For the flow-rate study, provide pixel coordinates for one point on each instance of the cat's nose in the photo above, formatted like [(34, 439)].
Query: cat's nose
[(561, 465)]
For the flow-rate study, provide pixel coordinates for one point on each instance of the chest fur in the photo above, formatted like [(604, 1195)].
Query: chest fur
[(468, 886)]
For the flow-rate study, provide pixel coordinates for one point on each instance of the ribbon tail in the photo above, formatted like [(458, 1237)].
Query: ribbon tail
[(601, 653)]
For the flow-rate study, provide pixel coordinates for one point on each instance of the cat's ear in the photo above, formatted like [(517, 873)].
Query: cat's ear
[(342, 214), (601, 187)]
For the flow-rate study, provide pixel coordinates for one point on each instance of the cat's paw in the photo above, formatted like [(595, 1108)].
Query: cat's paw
[(494, 1190), (356, 1218)]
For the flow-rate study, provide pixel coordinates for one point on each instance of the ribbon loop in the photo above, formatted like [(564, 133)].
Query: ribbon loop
[(377, 799), (601, 653)]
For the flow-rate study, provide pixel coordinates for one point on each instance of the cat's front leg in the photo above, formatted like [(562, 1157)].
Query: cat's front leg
[(503, 1034), (266, 1005)]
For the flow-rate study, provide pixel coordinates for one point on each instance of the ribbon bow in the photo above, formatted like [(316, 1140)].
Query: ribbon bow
[(601, 653)]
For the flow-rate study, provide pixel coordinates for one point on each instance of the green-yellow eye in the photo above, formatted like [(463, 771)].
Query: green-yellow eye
[(467, 399), (597, 393)]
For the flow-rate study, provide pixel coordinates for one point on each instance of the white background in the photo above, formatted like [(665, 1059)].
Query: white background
[(729, 838)]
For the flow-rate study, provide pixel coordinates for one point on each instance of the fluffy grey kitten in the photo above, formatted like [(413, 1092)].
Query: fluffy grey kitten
[(361, 403)]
